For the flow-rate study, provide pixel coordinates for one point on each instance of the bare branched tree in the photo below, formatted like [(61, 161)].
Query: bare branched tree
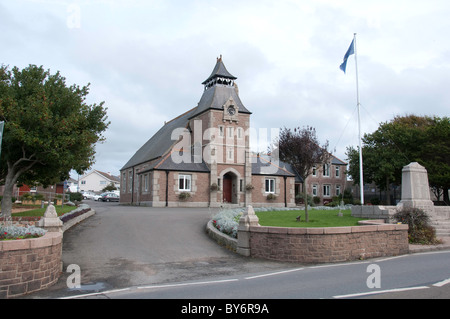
[(300, 148)]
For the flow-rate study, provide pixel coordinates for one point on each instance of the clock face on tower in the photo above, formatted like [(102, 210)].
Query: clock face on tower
[(231, 110)]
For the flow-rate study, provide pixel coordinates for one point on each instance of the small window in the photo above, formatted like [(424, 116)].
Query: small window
[(314, 189), (270, 185), (338, 190), (230, 131), (338, 173), (146, 183), (314, 171), (220, 130), (184, 183), (130, 180), (239, 132)]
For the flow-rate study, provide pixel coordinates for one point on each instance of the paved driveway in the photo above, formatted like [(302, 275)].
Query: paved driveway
[(123, 246)]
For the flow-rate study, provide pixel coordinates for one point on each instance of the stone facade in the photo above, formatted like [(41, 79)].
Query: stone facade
[(202, 158)]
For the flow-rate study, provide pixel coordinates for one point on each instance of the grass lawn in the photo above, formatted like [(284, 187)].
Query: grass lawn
[(40, 211), (317, 218)]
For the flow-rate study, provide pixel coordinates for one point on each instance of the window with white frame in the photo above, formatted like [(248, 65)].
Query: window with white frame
[(338, 172), (221, 130), (326, 170), (314, 171), (270, 185), (315, 189), (184, 182), (326, 190), (239, 132), (230, 132)]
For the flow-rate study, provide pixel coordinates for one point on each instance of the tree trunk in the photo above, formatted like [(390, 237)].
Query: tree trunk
[(305, 199), (388, 192), (446, 197), (7, 196)]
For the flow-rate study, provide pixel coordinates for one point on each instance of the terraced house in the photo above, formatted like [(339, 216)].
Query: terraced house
[(202, 158)]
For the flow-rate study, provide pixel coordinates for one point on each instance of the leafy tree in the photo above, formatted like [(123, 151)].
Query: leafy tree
[(111, 187), (406, 139), (300, 148), (49, 129)]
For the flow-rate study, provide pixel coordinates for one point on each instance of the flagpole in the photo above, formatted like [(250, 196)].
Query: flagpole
[(361, 181)]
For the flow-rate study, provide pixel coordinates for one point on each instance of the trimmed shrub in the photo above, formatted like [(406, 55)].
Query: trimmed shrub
[(420, 231)]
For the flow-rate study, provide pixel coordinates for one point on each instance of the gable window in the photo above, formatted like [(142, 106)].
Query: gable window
[(270, 185), (314, 171), (338, 173), (184, 182)]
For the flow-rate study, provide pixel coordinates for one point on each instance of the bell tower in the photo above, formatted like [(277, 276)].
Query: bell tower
[(225, 124)]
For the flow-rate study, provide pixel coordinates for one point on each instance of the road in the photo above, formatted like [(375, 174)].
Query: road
[(143, 253), (425, 275)]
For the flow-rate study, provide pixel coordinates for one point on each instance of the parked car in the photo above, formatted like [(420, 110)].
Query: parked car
[(98, 197), (88, 195), (110, 197)]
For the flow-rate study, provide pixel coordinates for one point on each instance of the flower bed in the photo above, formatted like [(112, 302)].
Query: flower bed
[(17, 232), (82, 209)]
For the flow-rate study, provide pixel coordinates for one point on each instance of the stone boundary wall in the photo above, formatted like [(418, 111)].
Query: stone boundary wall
[(29, 265), (221, 238), (329, 244)]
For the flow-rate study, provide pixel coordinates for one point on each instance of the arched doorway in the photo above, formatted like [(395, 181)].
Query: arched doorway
[(229, 188)]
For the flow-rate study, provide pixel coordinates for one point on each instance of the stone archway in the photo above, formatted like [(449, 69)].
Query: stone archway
[(230, 184)]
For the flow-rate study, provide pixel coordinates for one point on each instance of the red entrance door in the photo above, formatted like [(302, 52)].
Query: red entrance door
[(227, 187)]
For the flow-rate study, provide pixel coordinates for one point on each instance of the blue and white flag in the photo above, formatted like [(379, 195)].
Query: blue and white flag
[(350, 51)]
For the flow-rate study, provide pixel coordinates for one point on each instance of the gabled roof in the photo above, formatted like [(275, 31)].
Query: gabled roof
[(215, 97), (161, 142)]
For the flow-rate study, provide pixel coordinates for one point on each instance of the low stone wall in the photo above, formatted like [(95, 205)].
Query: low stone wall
[(29, 265), (374, 212), (221, 238), (332, 244)]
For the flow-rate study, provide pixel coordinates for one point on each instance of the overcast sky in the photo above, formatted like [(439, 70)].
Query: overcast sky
[(147, 60)]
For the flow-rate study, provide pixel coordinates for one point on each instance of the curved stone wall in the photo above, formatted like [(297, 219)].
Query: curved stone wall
[(28, 265), (332, 244)]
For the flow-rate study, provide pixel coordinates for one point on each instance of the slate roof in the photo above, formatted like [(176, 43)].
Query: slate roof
[(213, 98), (166, 163), (220, 71), (160, 143), (263, 165)]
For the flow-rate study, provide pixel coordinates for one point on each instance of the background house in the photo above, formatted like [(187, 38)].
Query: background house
[(95, 181)]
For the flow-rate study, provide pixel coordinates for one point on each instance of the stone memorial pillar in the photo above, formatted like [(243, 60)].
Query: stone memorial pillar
[(247, 220), (51, 221), (415, 188)]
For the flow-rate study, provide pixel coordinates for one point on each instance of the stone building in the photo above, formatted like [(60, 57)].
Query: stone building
[(202, 158)]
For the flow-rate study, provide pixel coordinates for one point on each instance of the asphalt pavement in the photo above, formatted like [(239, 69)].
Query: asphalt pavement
[(125, 246)]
